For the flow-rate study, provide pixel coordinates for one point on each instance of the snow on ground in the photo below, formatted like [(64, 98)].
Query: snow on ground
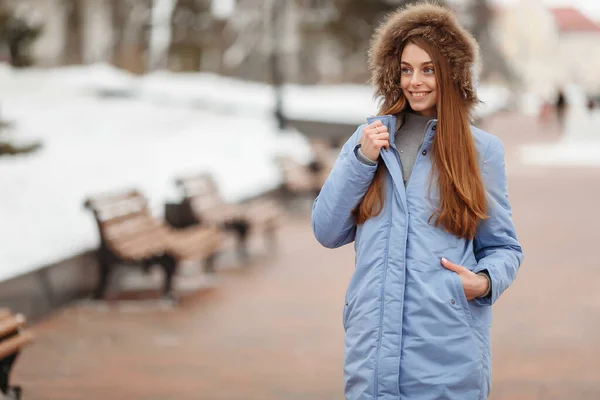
[(93, 145), (103, 130), (579, 145), (348, 103)]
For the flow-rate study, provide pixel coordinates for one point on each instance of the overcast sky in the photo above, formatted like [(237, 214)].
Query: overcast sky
[(222, 8), (590, 7)]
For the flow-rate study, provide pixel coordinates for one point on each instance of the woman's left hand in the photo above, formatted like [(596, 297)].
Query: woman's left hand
[(474, 285)]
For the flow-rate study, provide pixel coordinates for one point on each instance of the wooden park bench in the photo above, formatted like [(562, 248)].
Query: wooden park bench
[(12, 339), (204, 203), (130, 234), (300, 179)]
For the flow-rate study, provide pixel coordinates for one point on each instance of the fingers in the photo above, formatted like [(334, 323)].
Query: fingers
[(377, 127), (452, 267), (381, 134), (376, 135), (381, 143)]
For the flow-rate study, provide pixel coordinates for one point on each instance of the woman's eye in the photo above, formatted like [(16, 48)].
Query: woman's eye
[(406, 71), (428, 70)]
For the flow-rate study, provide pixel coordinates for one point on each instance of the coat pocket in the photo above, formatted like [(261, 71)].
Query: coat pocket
[(440, 347), (477, 315), (479, 320), (459, 295)]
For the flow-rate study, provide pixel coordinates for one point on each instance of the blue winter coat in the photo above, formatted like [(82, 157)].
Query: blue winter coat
[(410, 332)]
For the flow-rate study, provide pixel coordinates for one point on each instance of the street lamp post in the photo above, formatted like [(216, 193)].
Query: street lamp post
[(275, 61)]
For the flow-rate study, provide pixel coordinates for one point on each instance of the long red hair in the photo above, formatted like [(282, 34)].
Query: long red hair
[(455, 163)]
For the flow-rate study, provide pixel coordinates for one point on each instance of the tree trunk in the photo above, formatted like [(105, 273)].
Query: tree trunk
[(74, 40)]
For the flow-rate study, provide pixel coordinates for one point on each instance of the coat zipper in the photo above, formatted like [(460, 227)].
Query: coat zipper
[(387, 251), (382, 296)]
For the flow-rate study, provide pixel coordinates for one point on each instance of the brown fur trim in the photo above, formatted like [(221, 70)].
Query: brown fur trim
[(437, 25)]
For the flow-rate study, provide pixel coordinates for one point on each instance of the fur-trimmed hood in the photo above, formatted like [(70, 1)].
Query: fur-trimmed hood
[(437, 25)]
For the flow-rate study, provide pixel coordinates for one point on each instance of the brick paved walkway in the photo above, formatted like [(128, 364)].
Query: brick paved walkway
[(272, 330)]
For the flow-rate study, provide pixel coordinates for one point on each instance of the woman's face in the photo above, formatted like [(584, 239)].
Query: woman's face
[(418, 80)]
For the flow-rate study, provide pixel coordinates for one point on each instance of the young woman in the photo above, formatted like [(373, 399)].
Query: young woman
[(423, 195)]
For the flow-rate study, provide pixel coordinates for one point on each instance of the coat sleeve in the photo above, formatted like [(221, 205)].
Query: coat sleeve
[(343, 190), (496, 247)]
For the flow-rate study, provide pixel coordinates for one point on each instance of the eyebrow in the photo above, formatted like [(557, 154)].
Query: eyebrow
[(425, 63)]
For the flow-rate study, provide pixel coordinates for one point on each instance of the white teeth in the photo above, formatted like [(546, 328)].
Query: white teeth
[(419, 94)]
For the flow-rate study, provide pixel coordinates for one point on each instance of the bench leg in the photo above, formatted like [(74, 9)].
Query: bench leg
[(5, 368), (241, 228), (169, 266), (209, 264), (271, 236), (104, 270)]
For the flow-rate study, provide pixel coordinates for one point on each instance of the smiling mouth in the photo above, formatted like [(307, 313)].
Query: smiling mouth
[(419, 95)]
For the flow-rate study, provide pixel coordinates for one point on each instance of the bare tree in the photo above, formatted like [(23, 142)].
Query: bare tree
[(17, 34), (130, 22), (73, 53), (480, 21), (160, 34), (195, 35), (356, 20)]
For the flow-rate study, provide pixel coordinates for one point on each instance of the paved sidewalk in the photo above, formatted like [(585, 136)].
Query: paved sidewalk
[(273, 330), (269, 330)]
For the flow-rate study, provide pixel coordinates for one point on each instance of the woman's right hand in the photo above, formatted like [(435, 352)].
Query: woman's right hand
[(374, 137)]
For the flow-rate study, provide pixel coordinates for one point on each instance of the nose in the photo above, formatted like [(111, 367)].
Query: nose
[(416, 79)]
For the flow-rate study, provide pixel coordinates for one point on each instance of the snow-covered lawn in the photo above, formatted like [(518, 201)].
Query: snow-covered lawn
[(93, 145), (142, 133)]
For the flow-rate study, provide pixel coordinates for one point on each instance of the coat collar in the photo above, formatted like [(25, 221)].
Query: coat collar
[(390, 121)]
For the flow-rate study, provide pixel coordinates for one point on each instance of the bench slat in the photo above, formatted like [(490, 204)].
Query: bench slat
[(132, 233), (297, 177), (15, 343), (108, 200), (194, 243), (11, 324), (210, 208), (145, 243), (263, 212), (4, 313)]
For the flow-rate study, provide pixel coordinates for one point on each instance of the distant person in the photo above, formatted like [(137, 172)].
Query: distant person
[(591, 104), (561, 108), (427, 207)]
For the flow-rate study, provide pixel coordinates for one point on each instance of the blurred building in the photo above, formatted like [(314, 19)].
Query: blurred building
[(549, 48)]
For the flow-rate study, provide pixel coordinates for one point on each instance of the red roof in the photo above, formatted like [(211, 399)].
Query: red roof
[(570, 19)]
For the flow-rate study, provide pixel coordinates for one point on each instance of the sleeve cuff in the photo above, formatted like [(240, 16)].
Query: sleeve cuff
[(485, 274), (362, 158)]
